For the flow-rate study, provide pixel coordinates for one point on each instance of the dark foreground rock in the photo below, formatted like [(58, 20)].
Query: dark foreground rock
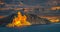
[(4, 21)]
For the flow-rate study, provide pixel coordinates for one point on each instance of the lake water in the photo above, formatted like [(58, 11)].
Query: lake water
[(34, 28)]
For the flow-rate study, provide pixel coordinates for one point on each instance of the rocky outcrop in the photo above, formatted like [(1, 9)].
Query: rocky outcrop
[(34, 19), (4, 21)]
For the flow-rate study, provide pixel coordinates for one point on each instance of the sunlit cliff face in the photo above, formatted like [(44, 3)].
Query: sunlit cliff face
[(55, 8), (53, 19), (19, 21)]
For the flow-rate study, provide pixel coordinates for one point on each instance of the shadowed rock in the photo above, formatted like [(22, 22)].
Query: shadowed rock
[(34, 19), (4, 21)]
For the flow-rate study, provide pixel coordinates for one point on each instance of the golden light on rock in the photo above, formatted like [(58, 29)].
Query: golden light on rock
[(19, 21), (52, 19), (55, 8)]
